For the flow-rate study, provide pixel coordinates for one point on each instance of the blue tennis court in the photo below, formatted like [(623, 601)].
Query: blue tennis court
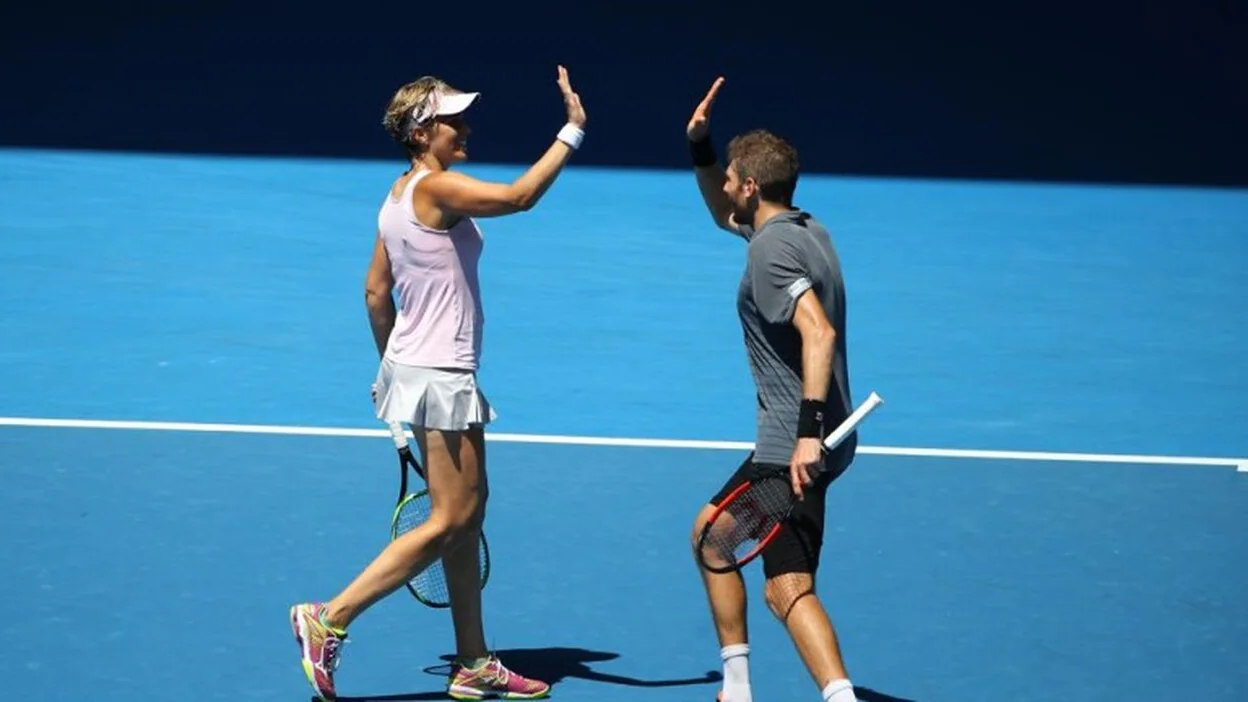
[(188, 445)]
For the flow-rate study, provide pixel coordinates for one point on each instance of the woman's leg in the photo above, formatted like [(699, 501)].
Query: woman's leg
[(454, 479), (463, 489), (476, 673), (456, 490)]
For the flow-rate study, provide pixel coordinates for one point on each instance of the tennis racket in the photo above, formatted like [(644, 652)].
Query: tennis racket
[(752, 515), (428, 586)]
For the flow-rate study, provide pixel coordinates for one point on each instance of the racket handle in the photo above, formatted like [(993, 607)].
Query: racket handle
[(396, 433), (852, 421)]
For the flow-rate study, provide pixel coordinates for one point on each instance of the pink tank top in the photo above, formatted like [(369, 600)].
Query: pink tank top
[(440, 317)]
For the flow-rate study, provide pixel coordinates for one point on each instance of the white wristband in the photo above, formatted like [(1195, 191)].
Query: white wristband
[(571, 135)]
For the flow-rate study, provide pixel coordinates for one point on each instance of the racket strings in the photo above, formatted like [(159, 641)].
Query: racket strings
[(746, 520), (430, 583)]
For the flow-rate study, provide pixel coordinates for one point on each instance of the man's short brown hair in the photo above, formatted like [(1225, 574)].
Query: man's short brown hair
[(769, 160)]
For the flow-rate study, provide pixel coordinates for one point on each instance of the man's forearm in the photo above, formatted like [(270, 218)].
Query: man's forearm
[(381, 315), (818, 349)]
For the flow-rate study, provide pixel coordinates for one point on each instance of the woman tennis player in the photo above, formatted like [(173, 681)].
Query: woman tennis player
[(427, 250)]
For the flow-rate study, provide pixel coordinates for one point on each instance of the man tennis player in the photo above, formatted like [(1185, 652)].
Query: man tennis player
[(791, 303)]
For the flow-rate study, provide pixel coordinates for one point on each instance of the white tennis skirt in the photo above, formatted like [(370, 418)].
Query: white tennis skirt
[(444, 399)]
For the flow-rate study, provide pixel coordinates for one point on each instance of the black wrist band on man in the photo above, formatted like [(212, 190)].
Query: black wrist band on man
[(810, 419), (702, 153)]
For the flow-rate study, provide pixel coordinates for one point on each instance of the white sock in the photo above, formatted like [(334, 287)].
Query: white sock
[(736, 659), (839, 691)]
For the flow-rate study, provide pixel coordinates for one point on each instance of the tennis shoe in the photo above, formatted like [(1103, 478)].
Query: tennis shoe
[(493, 680), (319, 646)]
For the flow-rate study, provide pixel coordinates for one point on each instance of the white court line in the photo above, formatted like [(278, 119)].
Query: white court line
[(1240, 464)]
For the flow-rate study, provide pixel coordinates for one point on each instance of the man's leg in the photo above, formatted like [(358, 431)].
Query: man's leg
[(791, 597), (789, 565), (726, 596)]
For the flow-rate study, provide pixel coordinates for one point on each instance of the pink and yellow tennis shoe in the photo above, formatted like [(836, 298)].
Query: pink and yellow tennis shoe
[(319, 645), (492, 679)]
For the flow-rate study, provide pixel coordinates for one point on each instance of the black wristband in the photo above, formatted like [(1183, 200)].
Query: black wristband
[(702, 153), (810, 419)]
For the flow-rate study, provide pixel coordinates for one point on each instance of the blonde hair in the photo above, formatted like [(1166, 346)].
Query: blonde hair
[(399, 118)]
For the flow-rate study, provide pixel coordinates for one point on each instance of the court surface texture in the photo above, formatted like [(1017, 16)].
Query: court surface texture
[(1052, 503)]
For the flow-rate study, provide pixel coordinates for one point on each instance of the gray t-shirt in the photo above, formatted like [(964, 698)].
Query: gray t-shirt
[(790, 254)]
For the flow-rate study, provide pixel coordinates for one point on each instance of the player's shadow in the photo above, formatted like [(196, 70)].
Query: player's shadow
[(556, 664), (866, 694), (553, 665)]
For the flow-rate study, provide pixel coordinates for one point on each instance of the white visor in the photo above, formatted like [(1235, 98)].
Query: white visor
[(442, 105), (456, 103)]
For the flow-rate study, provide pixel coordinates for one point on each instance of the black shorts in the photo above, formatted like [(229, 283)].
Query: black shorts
[(797, 547)]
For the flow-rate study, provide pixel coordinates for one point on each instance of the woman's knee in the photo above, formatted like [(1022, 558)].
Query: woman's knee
[(457, 480), (454, 521), (464, 513), (460, 507)]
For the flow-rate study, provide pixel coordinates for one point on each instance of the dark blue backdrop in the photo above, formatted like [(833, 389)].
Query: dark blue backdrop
[(1105, 90)]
